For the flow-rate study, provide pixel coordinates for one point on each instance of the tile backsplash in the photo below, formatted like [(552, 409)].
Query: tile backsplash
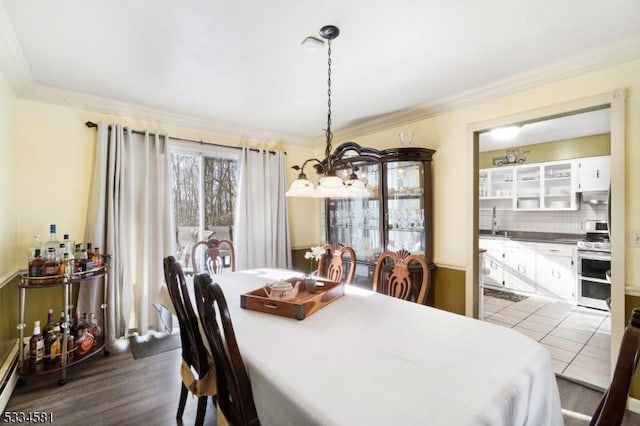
[(566, 222)]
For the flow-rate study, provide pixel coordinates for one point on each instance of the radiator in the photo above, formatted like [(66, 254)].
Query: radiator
[(9, 376)]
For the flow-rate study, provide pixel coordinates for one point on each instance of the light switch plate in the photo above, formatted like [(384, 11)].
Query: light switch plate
[(634, 238)]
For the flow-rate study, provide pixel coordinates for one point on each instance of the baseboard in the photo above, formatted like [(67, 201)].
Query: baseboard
[(9, 376), (633, 405)]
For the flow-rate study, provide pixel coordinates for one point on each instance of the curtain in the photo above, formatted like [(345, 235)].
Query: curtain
[(129, 217), (261, 225)]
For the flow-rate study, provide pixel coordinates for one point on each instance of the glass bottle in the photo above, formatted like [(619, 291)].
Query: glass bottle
[(93, 326), (85, 341), (53, 240), (51, 264), (97, 257), (89, 248), (36, 265), (36, 347)]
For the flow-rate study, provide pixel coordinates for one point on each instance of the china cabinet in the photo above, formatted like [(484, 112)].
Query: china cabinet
[(398, 213), (70, 354)]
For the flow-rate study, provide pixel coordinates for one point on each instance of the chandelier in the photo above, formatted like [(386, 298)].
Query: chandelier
[(330, 184)]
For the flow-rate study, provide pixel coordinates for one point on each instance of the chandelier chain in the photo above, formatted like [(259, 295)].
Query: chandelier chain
[(328, 133)]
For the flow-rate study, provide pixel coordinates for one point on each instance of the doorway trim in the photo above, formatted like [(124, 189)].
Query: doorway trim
[(616, 101)]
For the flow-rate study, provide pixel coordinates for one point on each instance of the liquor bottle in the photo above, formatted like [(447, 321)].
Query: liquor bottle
[(51, 265), (83, 260), (69, 244), (84, 342), (53, 240), (55, 335), (93, 326), (51, 322), (36, 347), (36, 265), (97, 258), (89, 252)]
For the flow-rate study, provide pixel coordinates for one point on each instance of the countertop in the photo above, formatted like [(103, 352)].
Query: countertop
[(536, 237)]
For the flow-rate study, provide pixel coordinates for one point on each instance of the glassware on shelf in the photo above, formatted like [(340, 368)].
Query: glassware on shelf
[(406, 138)]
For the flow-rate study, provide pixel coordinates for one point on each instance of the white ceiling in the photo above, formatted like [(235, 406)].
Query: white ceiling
[(237, 67), (552, 129)]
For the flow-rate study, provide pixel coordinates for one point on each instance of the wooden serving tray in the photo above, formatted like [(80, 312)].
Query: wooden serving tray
[(301, 306)]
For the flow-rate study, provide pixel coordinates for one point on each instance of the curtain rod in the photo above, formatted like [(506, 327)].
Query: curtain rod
[(91, 124)]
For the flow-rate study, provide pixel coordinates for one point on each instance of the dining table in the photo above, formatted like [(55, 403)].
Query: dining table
[(370, 359)]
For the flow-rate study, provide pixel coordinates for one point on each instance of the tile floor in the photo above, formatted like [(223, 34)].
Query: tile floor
[(578, 338)]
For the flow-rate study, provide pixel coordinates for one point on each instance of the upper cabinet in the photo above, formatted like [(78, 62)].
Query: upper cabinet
[(542, 186), (594, 173), (398, 214)]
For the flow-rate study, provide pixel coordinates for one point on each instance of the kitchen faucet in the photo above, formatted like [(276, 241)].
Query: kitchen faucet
[(494, 222)]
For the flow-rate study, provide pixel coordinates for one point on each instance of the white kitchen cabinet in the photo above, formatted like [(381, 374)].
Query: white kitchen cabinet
[(546, 269), (594, 173), (493, 262), (519, 266), (556, 271), (496, 188)]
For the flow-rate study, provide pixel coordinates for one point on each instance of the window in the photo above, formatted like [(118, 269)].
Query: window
[(203, 186)]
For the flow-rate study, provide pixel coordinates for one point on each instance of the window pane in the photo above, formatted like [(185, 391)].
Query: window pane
[(202, 216), (219, 193), (185, 185)]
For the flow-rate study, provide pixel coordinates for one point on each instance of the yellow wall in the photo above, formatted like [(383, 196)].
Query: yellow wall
[(8, 191), (588, 146), (447, 134)]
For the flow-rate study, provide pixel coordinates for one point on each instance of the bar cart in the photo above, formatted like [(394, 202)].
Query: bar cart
[(69, 357)]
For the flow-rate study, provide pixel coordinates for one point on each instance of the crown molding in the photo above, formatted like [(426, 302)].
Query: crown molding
[(606, 56), (114, 107)]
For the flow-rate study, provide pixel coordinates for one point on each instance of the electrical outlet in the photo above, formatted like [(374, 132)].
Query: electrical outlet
[(634, 238), (579, 226)]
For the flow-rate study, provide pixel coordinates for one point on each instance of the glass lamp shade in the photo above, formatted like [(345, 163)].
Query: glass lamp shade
[(335, 187), (301, 188)]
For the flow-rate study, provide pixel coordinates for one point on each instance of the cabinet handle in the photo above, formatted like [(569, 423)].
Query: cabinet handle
[(598, 173), (554, 250)]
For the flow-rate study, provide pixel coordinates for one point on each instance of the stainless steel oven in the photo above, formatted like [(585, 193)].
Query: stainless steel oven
[(594, 267)]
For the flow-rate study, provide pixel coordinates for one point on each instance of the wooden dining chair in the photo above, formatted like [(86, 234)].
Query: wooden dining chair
[(213, 257), (612, 406), (392, 276), (194, 353), (331, 263), (235, 397)]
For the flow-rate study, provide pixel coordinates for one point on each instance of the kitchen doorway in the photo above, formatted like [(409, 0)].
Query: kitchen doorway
[(564, 311)]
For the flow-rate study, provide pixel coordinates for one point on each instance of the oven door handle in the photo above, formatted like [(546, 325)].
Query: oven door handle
[(594, 256), (595, 280)]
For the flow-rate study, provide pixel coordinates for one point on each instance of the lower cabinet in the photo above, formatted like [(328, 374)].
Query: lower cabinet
[(519, 267), (541, 268), (556, 271)]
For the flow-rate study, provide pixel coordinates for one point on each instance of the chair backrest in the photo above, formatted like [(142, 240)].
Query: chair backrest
[(213, 255), (235, 397), (331, 264), (614, 401), (194, 352), (392, 276)]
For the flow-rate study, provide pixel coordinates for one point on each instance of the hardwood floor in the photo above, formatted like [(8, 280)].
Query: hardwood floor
[(110, 390), (120, 390)]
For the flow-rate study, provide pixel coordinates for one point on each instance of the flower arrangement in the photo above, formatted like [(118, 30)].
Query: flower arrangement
[(314, 254)]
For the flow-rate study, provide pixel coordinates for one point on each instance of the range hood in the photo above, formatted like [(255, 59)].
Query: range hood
[(595, 197)]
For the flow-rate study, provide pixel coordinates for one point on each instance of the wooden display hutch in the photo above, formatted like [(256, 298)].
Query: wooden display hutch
[(397, 215), (67, 358)]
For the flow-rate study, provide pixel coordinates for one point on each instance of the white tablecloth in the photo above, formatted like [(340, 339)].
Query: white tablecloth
[(369, 359)]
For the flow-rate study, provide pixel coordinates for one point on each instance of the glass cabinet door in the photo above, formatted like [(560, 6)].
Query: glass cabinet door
[(356, 222), (405, 213)]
